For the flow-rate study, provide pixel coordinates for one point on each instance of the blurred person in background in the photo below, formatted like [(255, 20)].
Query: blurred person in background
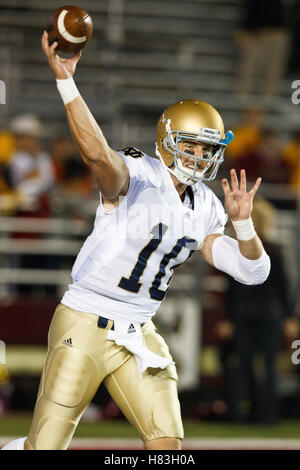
[(74, 182), (8, 196), (7, 147), (266, 159), (32, 176), (247, 135), (31, 168), (71, 174), (263, 44), (294, 62), (291, 156), (255, 320)]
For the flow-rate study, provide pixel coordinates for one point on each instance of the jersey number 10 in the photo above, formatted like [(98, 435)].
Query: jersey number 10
[(132, 283)]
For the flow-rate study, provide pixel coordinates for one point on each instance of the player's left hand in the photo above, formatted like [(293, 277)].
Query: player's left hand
[(239, 203)]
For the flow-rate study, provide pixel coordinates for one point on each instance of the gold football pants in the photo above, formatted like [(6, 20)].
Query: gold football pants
[(79, 358)]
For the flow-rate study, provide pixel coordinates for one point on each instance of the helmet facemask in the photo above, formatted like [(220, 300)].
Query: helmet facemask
[(212, 158)]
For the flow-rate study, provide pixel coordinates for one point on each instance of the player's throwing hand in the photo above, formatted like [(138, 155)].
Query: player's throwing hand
[(62, 68), (238, 203)]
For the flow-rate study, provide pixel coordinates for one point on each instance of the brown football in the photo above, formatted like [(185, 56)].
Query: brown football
[(71, 27)]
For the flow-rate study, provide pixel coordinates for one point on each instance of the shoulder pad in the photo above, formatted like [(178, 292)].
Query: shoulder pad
[(132, 152)]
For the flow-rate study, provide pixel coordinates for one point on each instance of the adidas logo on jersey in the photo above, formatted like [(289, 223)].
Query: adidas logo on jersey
[(68, 342), (131, 329)]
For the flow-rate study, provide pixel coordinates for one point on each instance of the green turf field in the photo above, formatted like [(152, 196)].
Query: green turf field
[(15, 425)]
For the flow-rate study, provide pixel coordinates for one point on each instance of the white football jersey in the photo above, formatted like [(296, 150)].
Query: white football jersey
[(123, 269)]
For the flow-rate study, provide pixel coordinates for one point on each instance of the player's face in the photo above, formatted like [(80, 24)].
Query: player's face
[(197, 149)]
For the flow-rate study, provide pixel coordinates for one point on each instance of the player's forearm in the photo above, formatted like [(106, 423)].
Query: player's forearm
[(108, 167), (251, 249), (249, 243), (85, 130)]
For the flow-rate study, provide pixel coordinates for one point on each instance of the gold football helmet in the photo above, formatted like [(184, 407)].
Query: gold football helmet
[(196, 121)]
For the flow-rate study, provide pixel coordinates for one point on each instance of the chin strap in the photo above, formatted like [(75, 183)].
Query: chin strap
[(182, 178)]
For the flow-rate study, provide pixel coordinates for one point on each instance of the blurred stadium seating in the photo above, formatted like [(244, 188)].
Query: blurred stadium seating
[(143, 56)]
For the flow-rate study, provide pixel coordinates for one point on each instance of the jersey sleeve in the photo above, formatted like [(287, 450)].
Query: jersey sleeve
[(133, 159), (143, 169), (137, 174)]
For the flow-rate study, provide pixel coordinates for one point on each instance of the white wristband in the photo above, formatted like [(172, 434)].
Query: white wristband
[(244, 229), (67, 89)]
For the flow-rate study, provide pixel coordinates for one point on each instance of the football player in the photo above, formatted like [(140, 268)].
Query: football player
[(152, 215)]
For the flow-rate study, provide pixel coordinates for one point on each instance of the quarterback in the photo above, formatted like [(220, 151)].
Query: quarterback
[(153, 214)]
